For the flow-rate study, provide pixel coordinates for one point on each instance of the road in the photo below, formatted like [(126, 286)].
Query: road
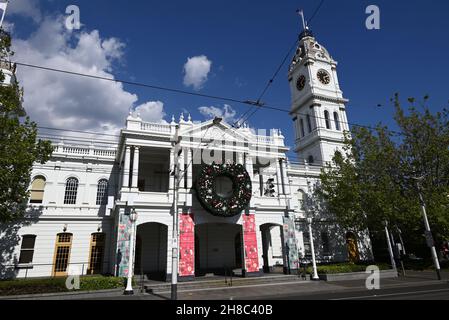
[(414, 292)]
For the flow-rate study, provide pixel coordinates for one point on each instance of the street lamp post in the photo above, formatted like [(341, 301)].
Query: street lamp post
[(175, 232), (390, 248), (129, 286), (312, 249), (430, 241)]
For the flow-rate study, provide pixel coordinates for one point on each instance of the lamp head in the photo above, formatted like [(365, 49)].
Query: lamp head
[(133, 215)]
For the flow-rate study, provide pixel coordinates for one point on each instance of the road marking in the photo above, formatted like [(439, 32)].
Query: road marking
[(391, 294)]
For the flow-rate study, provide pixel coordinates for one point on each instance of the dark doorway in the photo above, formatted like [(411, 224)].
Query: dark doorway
[(218, 248), (273, 250), (151, 251)]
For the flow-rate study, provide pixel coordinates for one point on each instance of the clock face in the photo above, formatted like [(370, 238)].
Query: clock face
[(301, 82), (324, 77)]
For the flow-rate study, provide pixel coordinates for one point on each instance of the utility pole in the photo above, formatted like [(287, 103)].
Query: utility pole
[(390, 249), (429, 237), (177, 180), (175, 234), (312, 249)]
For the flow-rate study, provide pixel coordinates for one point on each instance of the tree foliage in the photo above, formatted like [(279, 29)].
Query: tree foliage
[(19, 146), (373, 179)]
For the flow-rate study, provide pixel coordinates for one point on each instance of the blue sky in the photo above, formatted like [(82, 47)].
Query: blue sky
[(246, 41)]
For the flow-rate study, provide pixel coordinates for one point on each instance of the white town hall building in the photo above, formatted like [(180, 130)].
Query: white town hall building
[(80, 204)]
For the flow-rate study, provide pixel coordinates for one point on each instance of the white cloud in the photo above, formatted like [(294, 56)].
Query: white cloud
[(227, 113), (73, 102), (27, 8), (152, 111), (196, 71)]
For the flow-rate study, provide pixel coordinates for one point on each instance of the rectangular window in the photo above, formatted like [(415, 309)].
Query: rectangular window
[(27, 249), (96, 253), (325, 243)]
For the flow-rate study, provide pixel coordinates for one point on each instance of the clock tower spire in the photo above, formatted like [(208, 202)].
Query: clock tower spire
[(318, 107)]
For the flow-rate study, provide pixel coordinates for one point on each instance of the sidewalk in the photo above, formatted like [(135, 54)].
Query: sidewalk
[(253, 291)]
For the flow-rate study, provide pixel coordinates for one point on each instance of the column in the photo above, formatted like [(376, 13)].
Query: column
[(171, 183), (189, 169), (249, 167), (182, 174), (279, 178), (240, 158), (290, 245), (135, 177), (251, 256), (126, 168), (285, 175), (186, 246)]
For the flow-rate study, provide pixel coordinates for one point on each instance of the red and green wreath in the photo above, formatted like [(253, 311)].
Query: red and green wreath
[(206, 189)]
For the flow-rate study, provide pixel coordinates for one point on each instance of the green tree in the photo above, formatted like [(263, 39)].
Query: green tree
[(372, 179), (19, 146)]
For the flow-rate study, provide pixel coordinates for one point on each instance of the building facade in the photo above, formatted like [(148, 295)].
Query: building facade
[(78, 219)]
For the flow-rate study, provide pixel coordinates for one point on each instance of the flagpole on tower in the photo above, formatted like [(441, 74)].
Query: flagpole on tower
[(301, 13), (3, 6)]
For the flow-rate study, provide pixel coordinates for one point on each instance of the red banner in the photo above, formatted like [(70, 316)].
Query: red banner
[(186, 245), (250, 243)]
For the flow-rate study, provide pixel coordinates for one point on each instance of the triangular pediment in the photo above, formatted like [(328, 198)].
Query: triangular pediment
[(210, 131)]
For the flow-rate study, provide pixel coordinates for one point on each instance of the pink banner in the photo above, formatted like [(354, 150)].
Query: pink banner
[(186, 245), (250, 243)]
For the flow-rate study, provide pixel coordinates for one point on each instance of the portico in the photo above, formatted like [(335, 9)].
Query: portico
[(207, 243)]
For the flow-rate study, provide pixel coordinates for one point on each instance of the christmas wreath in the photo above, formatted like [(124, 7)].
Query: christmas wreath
[(206, 189)]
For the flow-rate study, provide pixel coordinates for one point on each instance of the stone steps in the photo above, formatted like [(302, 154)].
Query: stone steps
[(217, 283)]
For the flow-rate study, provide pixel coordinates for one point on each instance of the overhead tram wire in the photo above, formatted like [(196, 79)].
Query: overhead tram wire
[(315, 12), (258, 103), (245, 102), (280, 67)]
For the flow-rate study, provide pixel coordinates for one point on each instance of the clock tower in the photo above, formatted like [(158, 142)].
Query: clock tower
[(318, 107)]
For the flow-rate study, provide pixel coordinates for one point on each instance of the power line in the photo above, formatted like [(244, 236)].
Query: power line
[(315, 12), (246, 102), (268, 85), (80, 131), (133, 83), (276, 73)]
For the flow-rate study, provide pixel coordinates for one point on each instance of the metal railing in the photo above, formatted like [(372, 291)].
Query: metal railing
[(46, 270)]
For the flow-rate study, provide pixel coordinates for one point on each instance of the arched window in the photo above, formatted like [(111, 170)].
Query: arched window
[(309, 124), (37, 190), (337, 121), (301, 200), (326, 118), (311, 160), (301, 126), (27, 249), (102, 192), (71, 190)]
